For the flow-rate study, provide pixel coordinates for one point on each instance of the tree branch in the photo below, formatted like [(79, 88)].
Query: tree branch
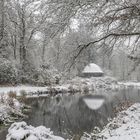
[(82, 47)]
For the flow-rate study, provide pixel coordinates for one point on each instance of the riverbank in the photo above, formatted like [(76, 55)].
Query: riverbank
[(39, 91), (20, 131), (78, 84), (127, 84), (11, 97), (125, 126), (10, 109)]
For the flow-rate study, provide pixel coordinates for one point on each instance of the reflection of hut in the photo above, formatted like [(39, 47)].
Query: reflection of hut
[(92, 70)]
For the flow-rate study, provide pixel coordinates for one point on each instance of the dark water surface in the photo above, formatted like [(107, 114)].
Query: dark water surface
[(66, 115), (69, 115)]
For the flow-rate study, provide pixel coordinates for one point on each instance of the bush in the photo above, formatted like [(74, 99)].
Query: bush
[(44, 75), (8, 72), (26, 73), (48, 75), (21, 131), (11, 74), (12, 94)]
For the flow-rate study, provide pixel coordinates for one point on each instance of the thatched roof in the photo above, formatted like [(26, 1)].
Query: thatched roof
[(92, 68)]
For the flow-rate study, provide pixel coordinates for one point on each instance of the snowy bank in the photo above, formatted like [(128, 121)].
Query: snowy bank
[(20, 131), (127, 84), (78, 84), (125, 126), (10, 109), (19, 89), (34, 91), (93, 83)]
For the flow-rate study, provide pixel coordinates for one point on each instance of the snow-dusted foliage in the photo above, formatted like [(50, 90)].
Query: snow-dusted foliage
[(48, 75), (37, 75), (126, 126), (76, 85), (93, 83), (8, 72), (10, 109), (21, 131)]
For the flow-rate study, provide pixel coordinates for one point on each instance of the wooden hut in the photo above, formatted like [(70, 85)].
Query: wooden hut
[(92, 70)]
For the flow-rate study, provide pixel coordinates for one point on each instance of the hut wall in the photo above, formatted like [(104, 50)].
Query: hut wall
[(88, 75)]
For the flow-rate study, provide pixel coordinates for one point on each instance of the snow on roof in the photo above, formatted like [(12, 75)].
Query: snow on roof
[(92, 68)]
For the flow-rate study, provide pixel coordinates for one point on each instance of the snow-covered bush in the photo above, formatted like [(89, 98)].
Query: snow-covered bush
[(73, 89), (8, 72), (10, 108), (26, 73), (91, 84), (48, 75), (13, 73), (21, 131), (44, 75)]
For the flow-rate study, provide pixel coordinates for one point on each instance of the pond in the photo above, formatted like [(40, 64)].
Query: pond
[(66, 115), (69, 115)]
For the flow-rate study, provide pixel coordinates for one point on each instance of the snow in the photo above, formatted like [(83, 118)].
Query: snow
[(32, 90), (94, 104), (6, 113), (20, 131), (125, 126), (10, 109), (77, 84), (93, 83), (17, 104), (92, 68), (18, 89), (136, 84)]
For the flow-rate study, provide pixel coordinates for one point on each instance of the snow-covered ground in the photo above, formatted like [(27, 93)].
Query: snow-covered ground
[(126, 126), (19, 89), (77, 84), (136, 84), (20, 131), (30, 91)]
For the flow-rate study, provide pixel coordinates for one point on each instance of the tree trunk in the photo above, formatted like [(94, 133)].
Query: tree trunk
[(15, 43), (2, 20), (22, 43), (43, 51), (44, 48)]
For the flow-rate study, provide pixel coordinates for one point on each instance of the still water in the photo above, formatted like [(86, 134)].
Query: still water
[(69, 115)]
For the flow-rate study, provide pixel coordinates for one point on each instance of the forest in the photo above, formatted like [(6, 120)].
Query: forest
[(72, 66), (45, 40)]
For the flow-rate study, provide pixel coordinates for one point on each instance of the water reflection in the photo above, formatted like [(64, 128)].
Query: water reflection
[(69, 115)]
